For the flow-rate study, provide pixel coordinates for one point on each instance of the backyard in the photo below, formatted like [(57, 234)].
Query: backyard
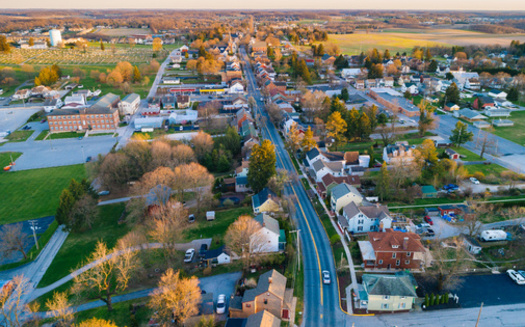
[(34, 193)]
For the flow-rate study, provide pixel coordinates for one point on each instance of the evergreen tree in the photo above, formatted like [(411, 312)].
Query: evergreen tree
[(428, 55), (76, 189), (320, 50), (345, 95), (65, 205), (451, 94), (432, 67), (336, 128), (460, 134), (513, 94), (262, 165), (364, 126), (102, 45), (387, 54)]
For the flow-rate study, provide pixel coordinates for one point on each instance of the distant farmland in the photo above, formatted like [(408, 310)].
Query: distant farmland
[(123, 31), (401, 40)]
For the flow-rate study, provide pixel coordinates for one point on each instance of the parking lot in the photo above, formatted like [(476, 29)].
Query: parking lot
[(12, 119), (494, 289), (221, 284)]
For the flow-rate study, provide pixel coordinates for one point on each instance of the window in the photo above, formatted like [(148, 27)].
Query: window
[(394, 255), (360, 221), (398, 262), (359, 228), (401, 305), (380, 262), (409, 254), (248, 305), (386, 297), (407, 262), (384, 305), (265, 301)]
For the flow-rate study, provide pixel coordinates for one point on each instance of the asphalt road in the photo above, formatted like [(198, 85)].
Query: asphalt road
[(321, 302)]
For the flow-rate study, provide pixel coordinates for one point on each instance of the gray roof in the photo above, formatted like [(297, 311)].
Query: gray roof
[(82, 111), (277, 286), (131, 97), (470, 114), (107, 101), (318, 165), (392, 285), (312, 153), (266, 221), (262, 319), (334, 166), (343, 189), (372, 212)]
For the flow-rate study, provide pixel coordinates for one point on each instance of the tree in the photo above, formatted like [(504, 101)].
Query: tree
[(336, 128), (426, 153), (126, 71), (314, 105), (176, 298), (4, 45), (428, 55), (451, 94), (202, 144), (277, 182), (262, 165), (157, 44), (60, 309), (114, 78), (243, 238), (274, 112), (167, 225), (31, 41), (460, 134), (251, 102), (447, 264), (192, 176), (83, 214), (108, 277), (383, 184), (13, 240), (206, 321), (375, 71), (308, 142), (137, 77), (513, 94), (426, 121), (12, 303), (96, 322), (102, 45), (432, 67), (293, 139)]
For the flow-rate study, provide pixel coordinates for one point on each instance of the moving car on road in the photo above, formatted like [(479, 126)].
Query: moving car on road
[(326, 277), (188, 257), (516, 277), (221, 304)]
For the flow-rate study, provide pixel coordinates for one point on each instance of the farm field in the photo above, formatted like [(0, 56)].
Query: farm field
[(123, 31), (400, 40), (34, 193)]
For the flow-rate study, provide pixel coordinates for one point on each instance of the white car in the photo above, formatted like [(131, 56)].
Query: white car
[(516, 277), (474, 180), (221, 304), (188, 257), (326, 277)]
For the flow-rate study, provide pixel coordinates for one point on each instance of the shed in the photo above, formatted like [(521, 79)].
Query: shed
[(210, 215), (471, 244), (503, 123), (428, 191), (217, 256), (452, 154)]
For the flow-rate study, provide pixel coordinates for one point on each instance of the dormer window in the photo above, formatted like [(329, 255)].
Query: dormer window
[(395, 246)]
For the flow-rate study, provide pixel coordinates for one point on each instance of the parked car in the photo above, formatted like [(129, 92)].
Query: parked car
[(43, 121), (188, 257), (522, 273), (103, 193), (516, 277), (451, 187), (221, 304), (203, 250), (80, 137), (430, 232), (326, 277), (191, 218), (88, 159), (428, 220), (474, 180)]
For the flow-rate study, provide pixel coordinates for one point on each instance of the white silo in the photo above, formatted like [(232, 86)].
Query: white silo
[(55, 37)]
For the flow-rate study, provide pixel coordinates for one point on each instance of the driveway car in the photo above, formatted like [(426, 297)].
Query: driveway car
[(430, 232), (88, 159), (516, 277), (103, 193), (188, 257), (474, 180), (203, 250), (221, 304), (326, 277), (191, 218), (428, 220)]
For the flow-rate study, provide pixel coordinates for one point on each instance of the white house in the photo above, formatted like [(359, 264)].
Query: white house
[(52, 104), (266, 239), (320, 168), (218, 256), (498, 94), (236, 87), (400, 152), (183, 116), (362, 219), (130, 104), (342, 195), (348, 73), (410, 87)]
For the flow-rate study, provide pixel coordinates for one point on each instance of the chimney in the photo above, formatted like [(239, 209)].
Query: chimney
[(269, 280), (405, 243)]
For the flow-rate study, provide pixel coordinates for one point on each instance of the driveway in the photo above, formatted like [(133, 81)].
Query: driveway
[(480, 188)]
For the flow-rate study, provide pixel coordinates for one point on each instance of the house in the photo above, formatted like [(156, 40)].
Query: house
[(183, 101), (320, 168), (22, 94), (389, 293), (241, 116), (271, 294), (236, 87), (388, 81), (130, 104), (471, 244), (410, 87), (360, 84), (328, 182), (52, 104), (259, 319), (469, 114), (399, 152), (348, 73), (392, 250), (482, 102), (74, 101), (183, 116), (498, 94), (241, 177), (449, 106), (266, 201), (342, 195), (428, 191), (218, 256), (371, 83), (452, 154), (496, 112), (362, 219), (269, 238), (473, 84)]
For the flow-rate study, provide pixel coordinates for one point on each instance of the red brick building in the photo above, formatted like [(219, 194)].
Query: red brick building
[(392, 250)]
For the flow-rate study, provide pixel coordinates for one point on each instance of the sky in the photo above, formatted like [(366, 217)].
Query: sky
[(500, 5)]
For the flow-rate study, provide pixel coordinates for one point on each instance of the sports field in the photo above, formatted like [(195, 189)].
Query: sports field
[(401, 40)]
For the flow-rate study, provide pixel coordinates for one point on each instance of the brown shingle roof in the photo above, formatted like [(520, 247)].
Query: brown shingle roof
[(352, 157), (386, 241)]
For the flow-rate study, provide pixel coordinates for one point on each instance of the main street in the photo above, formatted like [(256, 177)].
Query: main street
[(321, 302)]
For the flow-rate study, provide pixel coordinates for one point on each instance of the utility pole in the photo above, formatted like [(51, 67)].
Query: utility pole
[(479, 314), (34, 228)]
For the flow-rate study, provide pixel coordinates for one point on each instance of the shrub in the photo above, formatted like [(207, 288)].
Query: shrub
[(335, 238), (427, 300), (446, 298), (479, 175), (432, 299), (207, 271)]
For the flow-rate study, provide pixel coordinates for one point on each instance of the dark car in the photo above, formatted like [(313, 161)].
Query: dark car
[(88, 159), (430, 232), (428, 220), (191, 218), (203, 250), (43, 121), (451, 187)]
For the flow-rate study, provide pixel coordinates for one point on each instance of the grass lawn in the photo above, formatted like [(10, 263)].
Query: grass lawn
[(469, 155), (65, 135), (485, 169), (20, 136), (121, 314), (41, 136), (34, 193), (217, 228), (514, 133), (78, 246), (5, 158)]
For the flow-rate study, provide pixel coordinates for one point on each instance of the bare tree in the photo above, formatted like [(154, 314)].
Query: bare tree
[(388, 131), (160, 154), (60, 309), (13, 240), (202, 144), (486, 141), (182, 154), (314, 105), (12, 305), (275, 113), (110, 275), (84, 213), (279, 180), (167, 225), (176, 298), (447, 264), (191, 177)]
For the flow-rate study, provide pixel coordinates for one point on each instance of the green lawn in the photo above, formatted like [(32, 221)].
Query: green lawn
[(217, 228), (469, 155), (20, 136), (65, 135), (485, 169), (34, 193), (514, 133), (121, 314), (41, 136), (78, 246), (5, 159)]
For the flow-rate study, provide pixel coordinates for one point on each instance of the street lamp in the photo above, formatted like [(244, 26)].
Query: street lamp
[(34, 228)]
